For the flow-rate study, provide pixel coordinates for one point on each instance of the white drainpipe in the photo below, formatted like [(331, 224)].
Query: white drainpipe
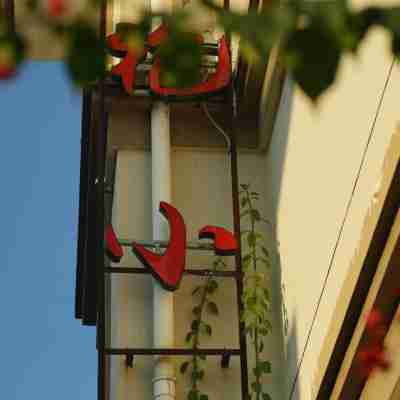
[(163, 300)]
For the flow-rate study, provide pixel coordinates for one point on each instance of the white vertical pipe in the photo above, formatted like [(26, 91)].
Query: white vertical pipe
[(163, 301)]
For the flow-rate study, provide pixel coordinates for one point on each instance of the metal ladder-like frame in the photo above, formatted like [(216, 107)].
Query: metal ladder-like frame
[(130, 353)]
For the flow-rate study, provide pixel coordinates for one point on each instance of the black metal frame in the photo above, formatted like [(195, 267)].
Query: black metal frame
[(91, 265), (8, 7)]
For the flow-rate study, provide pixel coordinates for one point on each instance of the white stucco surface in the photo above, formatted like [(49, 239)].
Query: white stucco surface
[(312, 167)]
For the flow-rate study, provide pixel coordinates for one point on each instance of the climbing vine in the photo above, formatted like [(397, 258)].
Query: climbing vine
[(203, 295), (256, 296)]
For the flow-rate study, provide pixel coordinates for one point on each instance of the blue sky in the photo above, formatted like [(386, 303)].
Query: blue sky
[(46, 353)]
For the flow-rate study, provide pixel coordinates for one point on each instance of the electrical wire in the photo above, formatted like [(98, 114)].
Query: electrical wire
[(217, 126), (371, 133)]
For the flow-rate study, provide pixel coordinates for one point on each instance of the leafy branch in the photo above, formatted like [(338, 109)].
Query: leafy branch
[(256, 296), (313, 35), (203, 293)]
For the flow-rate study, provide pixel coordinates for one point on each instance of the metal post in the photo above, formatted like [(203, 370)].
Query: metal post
[(101, 153), (9, 11), (238, 256)]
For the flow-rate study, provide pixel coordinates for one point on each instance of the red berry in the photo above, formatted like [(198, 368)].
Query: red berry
[(374, 321), (7, 62), (371, 358), (6, 72), (57, 8)]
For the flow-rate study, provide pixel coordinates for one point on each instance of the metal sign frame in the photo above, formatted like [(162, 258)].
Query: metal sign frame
[(91, 267)]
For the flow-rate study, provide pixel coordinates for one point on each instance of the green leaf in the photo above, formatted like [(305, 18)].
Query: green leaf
[(256, 386), (193, 395), (196, 310), (184, 367), (396, 45), (14, 46), (267, 221), (197, 375), (265, 261), (246, 258), (315, 56), (212, 308), (202, 357), (180, 57), (244, 213), (261, 348), (263, 331), (251, 239), (266, 367), (208, 329), (265, 251), (85, 54), (31, 5), (266, 396), (243, 201), (212, 286), (195, 325), (203, 397), (244, 186), (255, 214), (189, 337)]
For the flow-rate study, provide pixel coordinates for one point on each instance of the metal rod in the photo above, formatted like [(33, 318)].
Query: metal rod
[(9, 11), (101, 167), (164, 243), (195, 272), (225, 360), (172, 352), (148, 65), (238, 255), (83, 201)]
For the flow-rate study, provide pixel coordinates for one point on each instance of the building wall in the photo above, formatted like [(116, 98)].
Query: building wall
[(306, 179), (311, 171), (202, 193)]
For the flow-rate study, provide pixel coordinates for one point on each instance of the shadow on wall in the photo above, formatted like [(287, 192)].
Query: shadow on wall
[(277, 152), (276, 158)]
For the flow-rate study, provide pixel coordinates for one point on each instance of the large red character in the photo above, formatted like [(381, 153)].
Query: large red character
[(168, 268), (126, 69)]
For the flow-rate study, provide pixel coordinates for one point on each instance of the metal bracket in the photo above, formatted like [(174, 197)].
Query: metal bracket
[(225, 360), (129, 361)]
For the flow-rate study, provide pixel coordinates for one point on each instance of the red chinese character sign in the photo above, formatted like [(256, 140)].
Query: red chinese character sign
[(131, 58), (168, 268)]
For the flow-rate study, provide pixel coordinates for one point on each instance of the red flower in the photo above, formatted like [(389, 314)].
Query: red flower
[(374, 321), (375, 326), (6, 72), (7, 62), (372, 357), (56, 8)]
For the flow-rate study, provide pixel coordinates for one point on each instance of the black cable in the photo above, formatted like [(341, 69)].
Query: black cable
[(372, 130)]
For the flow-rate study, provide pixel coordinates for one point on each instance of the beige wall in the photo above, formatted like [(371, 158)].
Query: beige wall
[(202, 193), (311, 168)]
